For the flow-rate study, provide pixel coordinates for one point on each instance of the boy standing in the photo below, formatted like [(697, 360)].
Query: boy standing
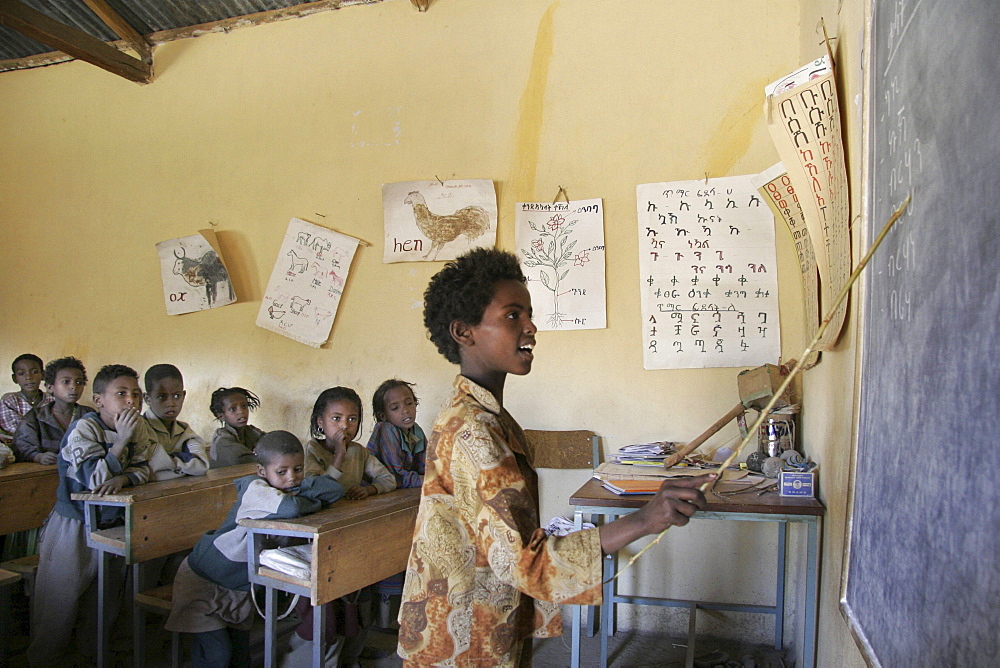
[(212, 588), (483, 577), (100, 453), (179, 450), (27, 373)]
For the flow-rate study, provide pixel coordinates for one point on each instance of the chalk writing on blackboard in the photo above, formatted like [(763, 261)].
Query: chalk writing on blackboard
[(708, 275)]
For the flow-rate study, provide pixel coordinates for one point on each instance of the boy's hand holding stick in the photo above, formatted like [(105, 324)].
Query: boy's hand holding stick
[(844, 291)]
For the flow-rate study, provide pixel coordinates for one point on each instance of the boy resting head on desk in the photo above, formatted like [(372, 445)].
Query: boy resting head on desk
[(211, 597), (179, 450), (483, 577), (101, 453)]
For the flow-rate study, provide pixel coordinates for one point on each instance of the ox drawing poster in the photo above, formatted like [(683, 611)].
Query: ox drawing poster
[(307, 282), (194, 275)]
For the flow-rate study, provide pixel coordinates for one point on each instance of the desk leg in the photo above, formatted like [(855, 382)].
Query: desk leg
[(577, 622), (270, 627), (319, 635), (812, 586), (103, 631), (4, 621), (779, 592), (607, 607), (692, 632), (138, 619)]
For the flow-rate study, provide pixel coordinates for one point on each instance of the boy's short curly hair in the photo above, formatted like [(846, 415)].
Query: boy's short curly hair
[(275, 444), (462, 291), (109, 372), (55, 366)]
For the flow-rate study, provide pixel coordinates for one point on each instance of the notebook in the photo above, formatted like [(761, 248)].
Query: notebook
[(633, 486)]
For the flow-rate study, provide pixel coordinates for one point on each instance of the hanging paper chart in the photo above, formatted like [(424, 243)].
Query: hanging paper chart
[(306, 283), (708, 275), (561, 248)]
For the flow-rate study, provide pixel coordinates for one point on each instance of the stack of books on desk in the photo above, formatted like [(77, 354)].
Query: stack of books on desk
[(645, 454), (632, 487)]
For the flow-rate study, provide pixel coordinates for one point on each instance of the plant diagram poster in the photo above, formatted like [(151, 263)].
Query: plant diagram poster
[(307, 283), (194, 276), (427, 221), (708, 275), (561, 248)]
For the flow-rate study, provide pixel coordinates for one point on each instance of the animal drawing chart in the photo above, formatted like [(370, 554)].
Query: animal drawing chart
[(708, 274), (307, 282), (561, 248), (194, 276), (435, 221)]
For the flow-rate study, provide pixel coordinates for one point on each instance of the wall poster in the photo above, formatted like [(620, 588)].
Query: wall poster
[(194, 274), (307, 283), (561, 248), (427, 221), (708, 275)]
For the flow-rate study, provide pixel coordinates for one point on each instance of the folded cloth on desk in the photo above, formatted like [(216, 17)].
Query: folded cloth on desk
[(295, 561)]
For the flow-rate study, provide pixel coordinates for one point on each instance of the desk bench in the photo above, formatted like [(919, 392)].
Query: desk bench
[(593, 499), (354, 544), (161, 518)]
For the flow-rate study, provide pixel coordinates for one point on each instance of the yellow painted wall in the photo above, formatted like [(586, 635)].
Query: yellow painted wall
[(242, 131)]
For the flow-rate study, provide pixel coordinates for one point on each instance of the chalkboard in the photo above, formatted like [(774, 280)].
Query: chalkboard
[(923, 578)]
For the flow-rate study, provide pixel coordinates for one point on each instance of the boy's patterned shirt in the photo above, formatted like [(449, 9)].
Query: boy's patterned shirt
[(13, 407), (482, 575)]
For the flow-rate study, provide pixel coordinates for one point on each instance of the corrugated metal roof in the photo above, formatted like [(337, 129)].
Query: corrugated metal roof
[(146, 16)]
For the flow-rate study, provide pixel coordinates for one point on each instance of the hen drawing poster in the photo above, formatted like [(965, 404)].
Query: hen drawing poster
[(307, 283), (194, 276), (434, 221), (561, 248)]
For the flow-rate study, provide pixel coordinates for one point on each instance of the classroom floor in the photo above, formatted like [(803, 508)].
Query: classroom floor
[(627, 650)]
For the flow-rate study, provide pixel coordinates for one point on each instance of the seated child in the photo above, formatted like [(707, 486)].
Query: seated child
[(212, 588), (179, 450), (335, 421), (101, 453), (399, 443), (234, 441), (41, 430), (397, 440), (332, 451), (27, 373)]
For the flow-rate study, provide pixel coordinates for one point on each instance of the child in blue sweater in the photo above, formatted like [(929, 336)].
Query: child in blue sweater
[(212, 588)]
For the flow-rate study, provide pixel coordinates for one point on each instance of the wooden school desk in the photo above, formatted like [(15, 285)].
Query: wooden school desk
[(354, 544), (161, 518), (27, 495), (593, 499)]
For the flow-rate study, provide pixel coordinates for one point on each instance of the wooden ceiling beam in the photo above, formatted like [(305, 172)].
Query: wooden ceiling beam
[(121, 28), (76, 43)]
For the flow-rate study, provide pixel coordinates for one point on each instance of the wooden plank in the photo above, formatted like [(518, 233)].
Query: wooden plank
[(115, 537), (27, 495), (166, 524), (8, 578), (38, 26), (152, 490), (344, 562), (343, 513), (121, 27)]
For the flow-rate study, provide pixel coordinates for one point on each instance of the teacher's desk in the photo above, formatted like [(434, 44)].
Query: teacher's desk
[(594, 499)]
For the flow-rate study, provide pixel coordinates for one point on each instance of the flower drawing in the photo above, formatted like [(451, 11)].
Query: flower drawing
[(551, 251)]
